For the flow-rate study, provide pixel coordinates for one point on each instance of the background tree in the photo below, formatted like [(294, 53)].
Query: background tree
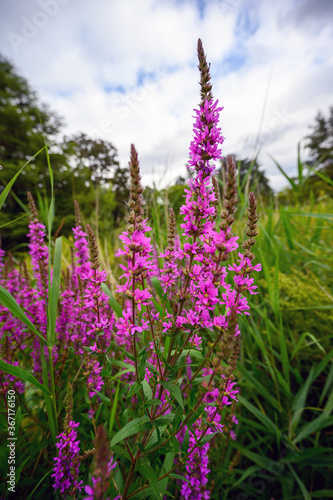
[(257, 180), (80, 164), (320, 141), (320, 147)]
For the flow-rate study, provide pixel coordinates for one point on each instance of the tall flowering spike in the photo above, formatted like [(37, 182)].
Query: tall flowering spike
[(136, 215), (81, 247), (251, 232), (32, 205), (60, 227), (102, 466), (170, 272), (215, 202), (37, 249), (66, 469), (229, 194), (77, 213), (207, 135), (172, 230), (93, 248), (206, 86), (69, 404)]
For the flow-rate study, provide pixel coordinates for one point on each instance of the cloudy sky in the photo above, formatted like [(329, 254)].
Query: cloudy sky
[(125, 71)]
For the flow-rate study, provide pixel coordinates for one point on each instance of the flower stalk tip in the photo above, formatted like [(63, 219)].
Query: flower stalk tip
[(204, 68), (252, 230), (93, 248)]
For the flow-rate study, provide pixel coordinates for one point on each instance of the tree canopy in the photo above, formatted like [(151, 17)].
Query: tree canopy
[(80, 164)]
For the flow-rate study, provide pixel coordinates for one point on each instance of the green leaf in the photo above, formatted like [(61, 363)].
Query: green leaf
[(122, 452), (114, 408), (314, 426), (300, 342), (147, 390), (167, 466), (104, 398), (165, 419), (134, 389), (133, 427), (206, 438), (178, 476), (7, 189), (142, 367), (155, 437), (158, 287), (291, 182), (54, 294), (152, 402), (266, 421), (263, 461), (10, 303), (322, 494), (185, 443), (19, 372), (284, 352), (260, 388), (148, 473), (13, 221), (19, 470), (112, 301), (175, 392), (306, 494), (50, 218), (31, 496)]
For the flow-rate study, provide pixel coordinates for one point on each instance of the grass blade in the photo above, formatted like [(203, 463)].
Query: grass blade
[(19, 372), (54, 295), (10, 303), (5, 192), (112, 301)]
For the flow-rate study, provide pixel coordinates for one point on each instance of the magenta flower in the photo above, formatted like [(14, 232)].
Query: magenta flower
[(233, 300), (66, 470)]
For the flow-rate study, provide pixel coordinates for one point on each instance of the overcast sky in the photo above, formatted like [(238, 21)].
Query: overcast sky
[(126, 71)]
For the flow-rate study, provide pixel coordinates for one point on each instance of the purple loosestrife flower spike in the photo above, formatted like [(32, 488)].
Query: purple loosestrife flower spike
[(66, 469), (170, 272), (251, 232), (206, 86), (93, 248), (38, 250), (136, 216), (229, 194)]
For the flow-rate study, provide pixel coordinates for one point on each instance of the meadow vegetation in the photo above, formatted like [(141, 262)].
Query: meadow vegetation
[(277, 441)]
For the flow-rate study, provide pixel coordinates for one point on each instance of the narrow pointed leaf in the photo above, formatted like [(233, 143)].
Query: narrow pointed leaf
[(19, 372), (53, 302), (133, 427), (10, 303), (7, 189), (112, 301)]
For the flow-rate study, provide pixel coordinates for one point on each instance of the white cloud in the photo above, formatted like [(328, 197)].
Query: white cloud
[(126, 71)]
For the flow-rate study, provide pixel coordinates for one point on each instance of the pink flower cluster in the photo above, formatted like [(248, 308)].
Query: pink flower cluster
[(181, 333), (66, 470)]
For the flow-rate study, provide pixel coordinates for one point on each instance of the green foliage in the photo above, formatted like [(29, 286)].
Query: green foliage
[(302, 303)]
